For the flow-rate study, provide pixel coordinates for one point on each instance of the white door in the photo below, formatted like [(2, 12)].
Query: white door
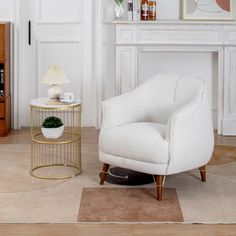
[(61, 33)]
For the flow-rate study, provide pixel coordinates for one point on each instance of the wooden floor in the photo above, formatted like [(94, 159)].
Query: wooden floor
[(115, 230)]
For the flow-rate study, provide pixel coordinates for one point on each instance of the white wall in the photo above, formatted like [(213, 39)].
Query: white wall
[(5, 10), (169, 9)]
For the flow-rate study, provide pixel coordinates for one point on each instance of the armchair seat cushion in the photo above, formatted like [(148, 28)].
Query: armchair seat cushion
[(140, 141)]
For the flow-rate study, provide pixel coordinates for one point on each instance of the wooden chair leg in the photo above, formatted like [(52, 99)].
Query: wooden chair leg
[(203, 173), (159, 184), (103, 174)]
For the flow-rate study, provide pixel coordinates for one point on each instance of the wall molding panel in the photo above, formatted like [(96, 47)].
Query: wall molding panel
[(47, 14), (124, 59)]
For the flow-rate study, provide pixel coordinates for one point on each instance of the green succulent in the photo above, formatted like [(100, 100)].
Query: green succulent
[(52, 122)]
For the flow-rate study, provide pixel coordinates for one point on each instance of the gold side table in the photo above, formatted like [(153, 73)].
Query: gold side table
[(56, 158)]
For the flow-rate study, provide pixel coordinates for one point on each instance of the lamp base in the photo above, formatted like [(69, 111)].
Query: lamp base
[(54, 91)]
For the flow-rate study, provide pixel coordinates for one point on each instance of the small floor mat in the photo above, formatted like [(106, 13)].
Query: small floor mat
[(129, 205)]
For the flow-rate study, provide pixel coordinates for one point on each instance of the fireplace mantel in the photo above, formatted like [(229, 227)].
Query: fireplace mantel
[(134, 37)]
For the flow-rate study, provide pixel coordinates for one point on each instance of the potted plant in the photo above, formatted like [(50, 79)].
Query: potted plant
[(119, 9), (52, 127)]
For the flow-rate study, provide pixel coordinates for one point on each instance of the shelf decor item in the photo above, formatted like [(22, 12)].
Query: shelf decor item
[(54, 76), (1, 82), (144, 9), (152, 10), (119, 9), (136, 10), (130, 10), (208, 9), (52, 127)]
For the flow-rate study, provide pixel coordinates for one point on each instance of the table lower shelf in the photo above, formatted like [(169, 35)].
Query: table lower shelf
[(55, 171), (67, 137)]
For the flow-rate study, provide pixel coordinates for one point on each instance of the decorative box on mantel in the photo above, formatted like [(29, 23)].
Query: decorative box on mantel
[(135, 37)]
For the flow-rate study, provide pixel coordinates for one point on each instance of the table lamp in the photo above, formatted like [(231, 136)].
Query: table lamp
[(54, 76)]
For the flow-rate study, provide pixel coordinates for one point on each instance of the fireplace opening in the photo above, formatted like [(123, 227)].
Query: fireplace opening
[(203, 64)]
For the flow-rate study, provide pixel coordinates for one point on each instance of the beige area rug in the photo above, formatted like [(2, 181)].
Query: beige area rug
[(15, 166), (223, 155), (130, 204), (14, 170)]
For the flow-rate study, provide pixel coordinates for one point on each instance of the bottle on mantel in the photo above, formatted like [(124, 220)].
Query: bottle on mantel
[(152, 10), (144, 10)]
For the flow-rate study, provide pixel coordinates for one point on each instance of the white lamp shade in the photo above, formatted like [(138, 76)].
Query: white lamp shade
[(55, 75)]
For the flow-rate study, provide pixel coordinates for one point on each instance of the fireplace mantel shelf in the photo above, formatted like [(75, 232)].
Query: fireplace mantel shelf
[(135, 37), (176, 32), (174, 22)]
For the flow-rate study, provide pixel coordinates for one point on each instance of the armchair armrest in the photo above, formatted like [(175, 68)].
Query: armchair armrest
[(123, 109), (190, 135)]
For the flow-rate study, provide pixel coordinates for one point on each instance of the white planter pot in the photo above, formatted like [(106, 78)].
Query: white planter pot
[(53, 133)]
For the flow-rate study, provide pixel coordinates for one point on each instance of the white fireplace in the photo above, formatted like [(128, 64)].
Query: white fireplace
[(206, 50)]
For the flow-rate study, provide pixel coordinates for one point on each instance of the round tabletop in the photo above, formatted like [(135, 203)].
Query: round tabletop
[(48, 103)]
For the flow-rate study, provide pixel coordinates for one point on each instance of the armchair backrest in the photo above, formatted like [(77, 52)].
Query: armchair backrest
[(165, 93)]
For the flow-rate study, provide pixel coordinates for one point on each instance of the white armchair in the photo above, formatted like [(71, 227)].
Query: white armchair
[(163, 127)]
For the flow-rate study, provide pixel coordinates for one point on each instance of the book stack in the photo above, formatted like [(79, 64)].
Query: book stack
[(134, 10), (142, 10)]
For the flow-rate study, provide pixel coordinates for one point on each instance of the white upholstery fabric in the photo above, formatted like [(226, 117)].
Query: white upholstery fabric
[(137, 141), (163, 126), (140, 166)]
